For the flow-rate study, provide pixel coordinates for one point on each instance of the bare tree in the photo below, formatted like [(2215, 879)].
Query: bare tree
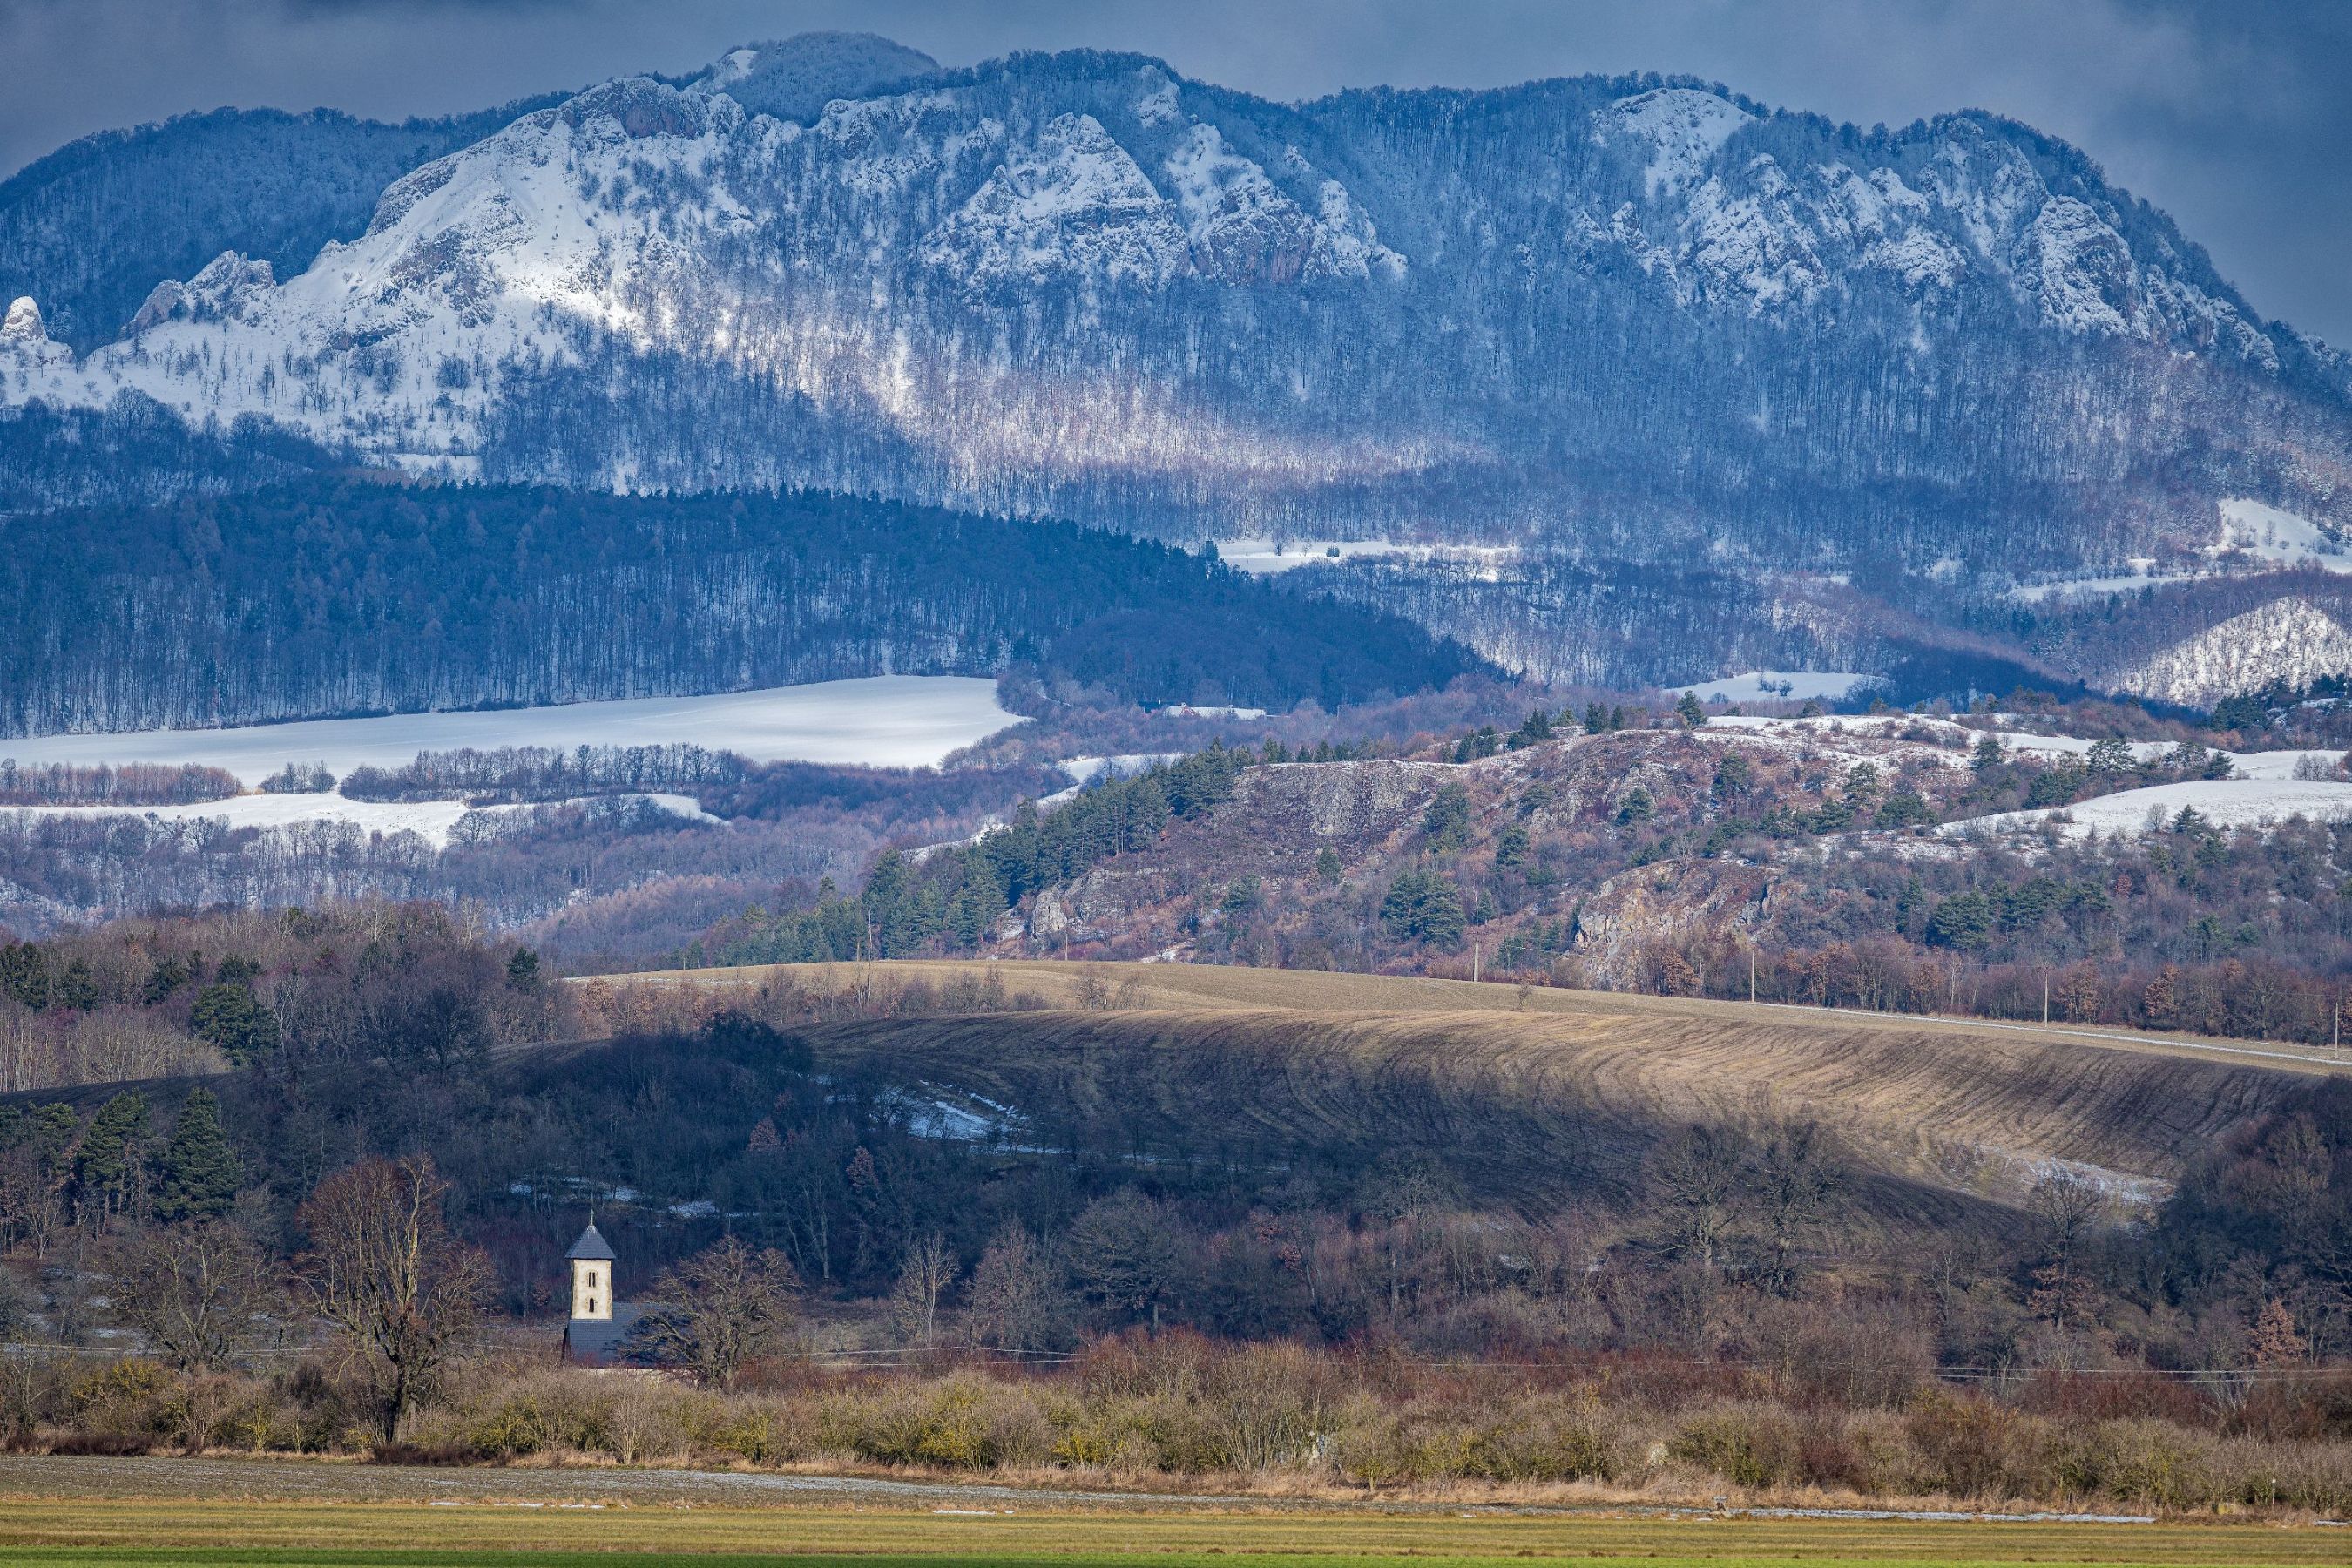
[(195, 1292), (1128, 1253), (719, 1308), (1793, 1180), (930, 1269), (1016, 1300), (1698, 1177), (383, 1269), (2068, 1204)]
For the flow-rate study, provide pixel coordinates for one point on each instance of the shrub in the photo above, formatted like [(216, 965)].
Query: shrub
[(648, 1420), (1746, 1444), (125, 1401), (964, 1424), (1372, 1448), (1869, 1453), (1971, 1446), (534, 1413), (2316, 1476), (1271, 1403), (1081, 1438), (2151, 1463), (1546, 1444), (754, 1434)]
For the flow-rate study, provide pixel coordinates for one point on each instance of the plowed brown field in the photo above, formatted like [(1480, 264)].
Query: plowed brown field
[(1542, 1095)]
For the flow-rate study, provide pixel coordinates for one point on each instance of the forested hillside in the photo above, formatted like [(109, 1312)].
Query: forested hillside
[(1896, 863), (351, 598), (1626, 340), (135, 454)]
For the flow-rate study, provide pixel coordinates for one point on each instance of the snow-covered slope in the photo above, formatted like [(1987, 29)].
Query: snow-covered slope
[(1619, 324), (2288, 642), (1776, 686), (890, 721), (2223, 803), (643, 218)]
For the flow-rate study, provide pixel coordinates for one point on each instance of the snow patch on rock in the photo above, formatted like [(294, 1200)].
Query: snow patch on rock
[(25, 338), (1159, 106), (1684, 128), (1073, 204)]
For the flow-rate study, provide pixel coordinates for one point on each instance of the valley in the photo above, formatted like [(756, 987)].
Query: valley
[(811, 803)]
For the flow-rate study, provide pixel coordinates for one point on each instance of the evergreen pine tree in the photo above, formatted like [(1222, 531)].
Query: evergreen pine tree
[(229, 1015), (199, 1174), (107, 1168)]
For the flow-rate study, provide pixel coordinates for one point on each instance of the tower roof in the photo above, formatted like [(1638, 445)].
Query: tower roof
[(592, 1243)]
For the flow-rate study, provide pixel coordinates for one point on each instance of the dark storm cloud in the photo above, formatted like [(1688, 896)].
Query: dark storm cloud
[(2234, 117)]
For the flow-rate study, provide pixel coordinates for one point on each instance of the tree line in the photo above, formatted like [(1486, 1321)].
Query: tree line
[(541, 772), (133, 783), (331, 598)]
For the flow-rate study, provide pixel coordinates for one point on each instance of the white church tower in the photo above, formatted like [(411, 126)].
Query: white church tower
[(599, 1333), (592, 1259)]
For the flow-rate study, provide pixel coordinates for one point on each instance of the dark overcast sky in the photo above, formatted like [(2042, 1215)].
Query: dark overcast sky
[(2236, 117)]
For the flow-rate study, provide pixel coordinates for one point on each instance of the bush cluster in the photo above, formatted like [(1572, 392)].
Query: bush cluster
[(1180, 1407)]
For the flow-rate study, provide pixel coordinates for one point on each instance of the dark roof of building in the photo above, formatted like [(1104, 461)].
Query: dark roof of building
[(593, 1245), (594, 1343)]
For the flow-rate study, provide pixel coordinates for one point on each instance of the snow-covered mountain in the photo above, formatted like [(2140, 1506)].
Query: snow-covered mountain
[(1628, 331)]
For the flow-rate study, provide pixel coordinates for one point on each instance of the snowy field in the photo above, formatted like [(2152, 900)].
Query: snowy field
[(889, 720), (1265, 557), (2252, 765), (2250, 531), (2224, 803), (430, 819), (1777, 685)]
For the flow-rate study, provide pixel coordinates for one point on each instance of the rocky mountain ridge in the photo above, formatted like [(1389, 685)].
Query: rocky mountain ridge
[(1633, 329)]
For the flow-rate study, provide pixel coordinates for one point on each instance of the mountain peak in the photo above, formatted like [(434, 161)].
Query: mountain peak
[(23, 335), (793, 79), (23, 321)]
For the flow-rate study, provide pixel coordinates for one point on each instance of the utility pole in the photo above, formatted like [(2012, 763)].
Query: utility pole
[(1474, 961), (1751, 973), (2045, 999)]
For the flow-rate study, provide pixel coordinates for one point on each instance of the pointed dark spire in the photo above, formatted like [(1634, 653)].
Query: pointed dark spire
[(592, 1243)]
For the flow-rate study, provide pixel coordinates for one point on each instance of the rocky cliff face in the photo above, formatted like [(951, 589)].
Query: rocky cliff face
[(1626, 328)]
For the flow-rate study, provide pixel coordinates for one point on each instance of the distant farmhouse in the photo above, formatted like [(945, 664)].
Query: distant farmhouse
[(599, 1329)]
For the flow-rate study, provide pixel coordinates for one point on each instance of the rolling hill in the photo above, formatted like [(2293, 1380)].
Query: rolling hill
[(1537, 1098)]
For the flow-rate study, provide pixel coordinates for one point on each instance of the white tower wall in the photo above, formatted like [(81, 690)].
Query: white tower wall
[(591, 1289)]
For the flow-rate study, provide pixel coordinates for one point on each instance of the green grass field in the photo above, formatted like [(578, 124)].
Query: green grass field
[(85, 1530)]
